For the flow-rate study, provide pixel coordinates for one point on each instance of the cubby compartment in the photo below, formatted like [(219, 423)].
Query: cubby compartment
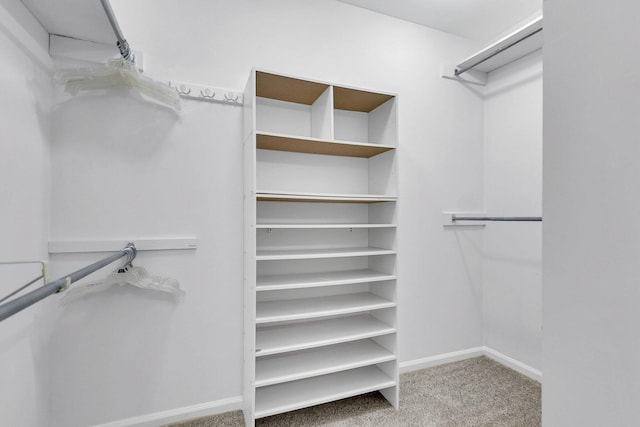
[(366, 117), (294, 107), (320, 244), (280, 172)]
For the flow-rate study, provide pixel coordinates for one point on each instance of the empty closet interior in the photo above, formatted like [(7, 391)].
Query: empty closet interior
[(341, 194)]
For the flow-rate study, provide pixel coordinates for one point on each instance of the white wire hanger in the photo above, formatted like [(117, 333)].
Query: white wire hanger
[(118, 73)]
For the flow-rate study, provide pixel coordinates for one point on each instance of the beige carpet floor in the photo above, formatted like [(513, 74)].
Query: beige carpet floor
[(475, 392)]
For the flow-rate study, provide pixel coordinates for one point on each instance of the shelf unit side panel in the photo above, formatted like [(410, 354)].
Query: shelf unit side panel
[(249, 277), (382, 238), (248, 106), (382, 213), (382, 174), (321, 116), (383, 124)]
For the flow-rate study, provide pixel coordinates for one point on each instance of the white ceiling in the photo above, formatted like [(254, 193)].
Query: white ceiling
[(481, 20)]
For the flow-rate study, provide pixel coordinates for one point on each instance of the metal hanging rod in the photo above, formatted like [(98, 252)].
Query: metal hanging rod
[(10, 308), (123, 45), (508, 42), (455, 218)]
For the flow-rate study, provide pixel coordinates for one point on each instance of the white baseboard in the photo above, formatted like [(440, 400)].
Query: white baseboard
[(235, 403), (514, 364), (456, 356), (179, 414), (441, 359)]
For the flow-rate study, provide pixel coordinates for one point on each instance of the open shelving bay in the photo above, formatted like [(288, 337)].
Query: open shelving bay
[(320, 252)]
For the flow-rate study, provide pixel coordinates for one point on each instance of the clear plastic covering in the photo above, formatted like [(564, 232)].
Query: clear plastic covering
[(128, 275), (118, 73)]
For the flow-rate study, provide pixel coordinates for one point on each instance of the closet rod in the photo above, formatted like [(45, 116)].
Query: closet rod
[(123, 45), (455, 218), (521, 35), (10, 308)]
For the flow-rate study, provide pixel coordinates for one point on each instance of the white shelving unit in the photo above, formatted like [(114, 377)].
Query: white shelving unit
[(320, 280)]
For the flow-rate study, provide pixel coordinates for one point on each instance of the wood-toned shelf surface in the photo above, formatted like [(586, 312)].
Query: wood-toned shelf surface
[(284, 254), (323, 226), (285, 397), (300, 336), (310, 280), (320, 361), (357, 100), (289, 196), (278, 142), (288, 88), (309, 308)]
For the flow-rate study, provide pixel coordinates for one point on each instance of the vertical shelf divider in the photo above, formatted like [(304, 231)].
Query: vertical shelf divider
[(322, 115)]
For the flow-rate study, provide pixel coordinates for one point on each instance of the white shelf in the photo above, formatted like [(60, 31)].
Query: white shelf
[(320, 361), (289, 196), (322, 226), (310, 145), (285, 397), (309, 308), (300, 336), (285, 254), (312, 280)]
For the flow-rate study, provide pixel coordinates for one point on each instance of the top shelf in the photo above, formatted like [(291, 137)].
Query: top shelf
[(288, 88), (357, 100), (306, 92), (279, 142)]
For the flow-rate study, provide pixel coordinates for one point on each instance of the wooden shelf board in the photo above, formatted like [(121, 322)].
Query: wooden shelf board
[(357, 100), (322, 226), (300, 336), (288, 196), (269, 141), (287, 88), (284, 254), (286, 397), (320, 361), (309, 308), (311, 280)]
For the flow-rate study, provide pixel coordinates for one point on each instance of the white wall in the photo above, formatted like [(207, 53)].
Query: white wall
[(24, 212), (124, 168), (591, 200), (512, 284)]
